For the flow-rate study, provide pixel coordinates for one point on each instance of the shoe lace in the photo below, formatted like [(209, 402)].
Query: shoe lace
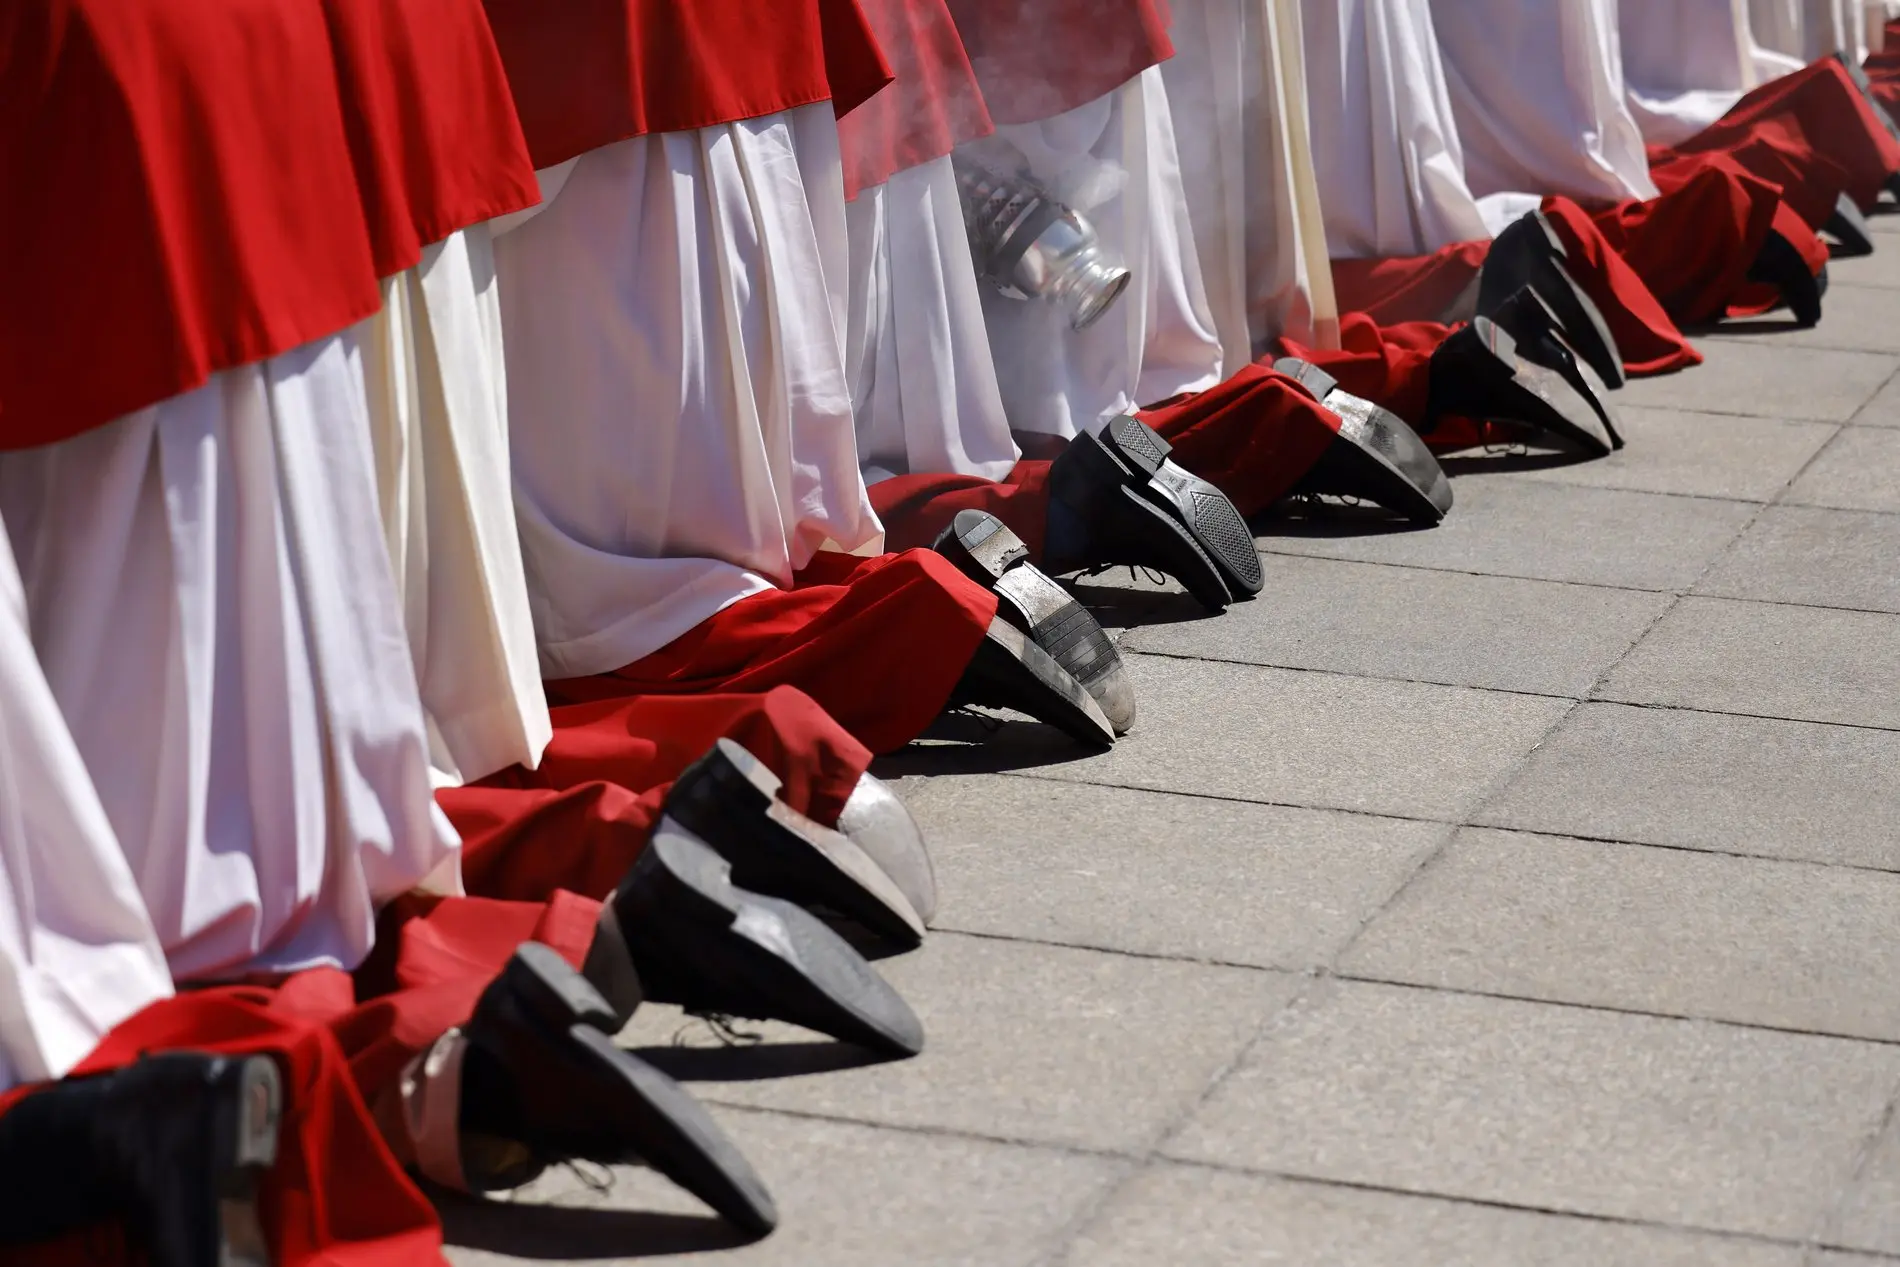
[(723, 1027), (1136, 572)]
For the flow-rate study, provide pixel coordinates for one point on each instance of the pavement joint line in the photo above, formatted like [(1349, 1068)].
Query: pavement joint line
[(1743, 855), (1608, 1009), (1658, 705), (1869, 1145), (1502, 576), (1136, 1165), (1492, 1203), (1865, 405)]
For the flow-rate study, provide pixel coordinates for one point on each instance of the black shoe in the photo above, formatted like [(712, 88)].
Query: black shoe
[(878, 821), (729, 799), (172, 1146), (1010, 670), (1099, 516), (1116, 498), (987, 552), (1375, 455), (542, 1072), (1477, 373), (678, 931), (1529, 253), (1540, 340), (1849, 229), (1780, 265)]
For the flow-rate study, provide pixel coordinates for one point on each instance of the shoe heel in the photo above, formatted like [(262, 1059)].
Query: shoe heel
[(1136, 443), (252, 1117), (982, 546), (728, 775), (552, 994)]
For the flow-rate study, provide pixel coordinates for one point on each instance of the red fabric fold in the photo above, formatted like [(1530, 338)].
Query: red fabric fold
[(879, 644), (932, 105), (1038, 58), (179, 200), (1811, 133), (432, 130), (1646, 338), (588, 73)]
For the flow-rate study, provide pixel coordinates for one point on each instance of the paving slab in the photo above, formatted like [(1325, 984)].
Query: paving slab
[(1696, 455), (1855, 317), (1319, 740), (1884, 409), (1806, 663), (1855, 472), (1808, 555), (1157, 874), (848, 1196), (1785, 944), (1690, 1123), (1190, 1216), (1500, 632), (1869, 1215), (1025, 1042), (1764, 376), (1721, 783), (1881, 269), (1591, 536)]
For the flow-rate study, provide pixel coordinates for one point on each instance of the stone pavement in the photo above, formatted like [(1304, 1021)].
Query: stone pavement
[(1525, 891)]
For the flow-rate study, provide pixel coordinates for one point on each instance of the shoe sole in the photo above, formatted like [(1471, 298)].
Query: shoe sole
[(1540, 252), (1206, 512), (780, 963), (249, 1121), (667, 1129), (1400, 471), (1849, 229), (986, 551), (793, 856), (1535, 310), (1011, 670)]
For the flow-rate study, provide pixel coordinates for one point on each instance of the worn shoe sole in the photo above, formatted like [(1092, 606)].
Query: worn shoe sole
[(1376, 456), (1478, 373), (1529, 253), (729, 799), (694, 939), (1010, 670), (1205, 511), (654, 1119), (1530, 321), (986, 551), (877, 819)]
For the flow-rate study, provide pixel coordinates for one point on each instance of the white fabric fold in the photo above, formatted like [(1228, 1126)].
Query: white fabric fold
[(78, 953), (923, 385), (211, 598), (1114, 159), (438, 406), (1538, 95), (679, 416)]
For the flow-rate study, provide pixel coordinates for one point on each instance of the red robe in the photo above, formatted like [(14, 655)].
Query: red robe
[(154, 229)]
